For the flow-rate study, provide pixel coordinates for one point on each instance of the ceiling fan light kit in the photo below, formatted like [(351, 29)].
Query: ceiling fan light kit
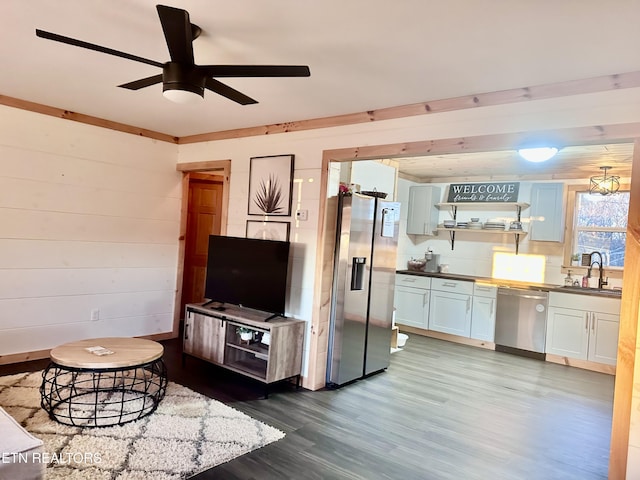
[(182, 80), (181, 85)]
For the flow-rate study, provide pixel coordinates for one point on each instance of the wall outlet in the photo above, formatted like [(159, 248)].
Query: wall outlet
[(302, 215), (95, 315)]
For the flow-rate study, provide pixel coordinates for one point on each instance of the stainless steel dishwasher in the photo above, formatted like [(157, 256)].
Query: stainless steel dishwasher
[(521, 321)]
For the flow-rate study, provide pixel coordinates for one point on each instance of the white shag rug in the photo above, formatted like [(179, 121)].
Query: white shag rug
[(187, 434)]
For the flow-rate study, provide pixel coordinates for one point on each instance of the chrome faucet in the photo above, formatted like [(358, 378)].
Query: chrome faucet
[(601, 281)]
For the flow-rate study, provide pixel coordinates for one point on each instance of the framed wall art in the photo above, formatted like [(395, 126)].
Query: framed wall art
[(270, 185), (268, 230)]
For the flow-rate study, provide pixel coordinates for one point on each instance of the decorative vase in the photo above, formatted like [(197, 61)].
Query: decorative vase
[(246, 336)]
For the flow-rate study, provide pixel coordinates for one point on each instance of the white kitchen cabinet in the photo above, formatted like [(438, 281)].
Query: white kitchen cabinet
[(450, 306), (583, 327), (411, 300), (567, 332), (422, 214), (603, 339), (547, 212), (483, 312)]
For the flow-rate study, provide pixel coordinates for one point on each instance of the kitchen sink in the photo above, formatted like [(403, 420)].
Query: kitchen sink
[(594, 291)]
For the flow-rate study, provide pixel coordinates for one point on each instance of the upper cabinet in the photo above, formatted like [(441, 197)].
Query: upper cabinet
[(422, 215), (547, 213)]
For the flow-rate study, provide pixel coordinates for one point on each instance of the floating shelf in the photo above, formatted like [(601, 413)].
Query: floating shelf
[(479, 205)]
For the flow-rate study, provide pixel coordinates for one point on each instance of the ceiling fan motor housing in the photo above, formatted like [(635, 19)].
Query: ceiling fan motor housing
[(177, 76)]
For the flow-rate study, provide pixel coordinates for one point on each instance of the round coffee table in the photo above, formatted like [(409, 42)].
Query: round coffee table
[(103, 381)]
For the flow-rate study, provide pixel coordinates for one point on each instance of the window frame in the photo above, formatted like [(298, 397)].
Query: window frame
[(572, 191)]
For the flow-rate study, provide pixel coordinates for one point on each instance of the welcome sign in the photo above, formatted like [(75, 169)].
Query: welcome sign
[(483, 192)]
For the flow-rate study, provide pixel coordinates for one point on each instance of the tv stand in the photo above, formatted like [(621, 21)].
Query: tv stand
[(218, 307), (271, 354)]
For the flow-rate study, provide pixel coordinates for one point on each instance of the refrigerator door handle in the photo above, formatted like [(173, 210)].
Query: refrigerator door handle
[(357, 272)]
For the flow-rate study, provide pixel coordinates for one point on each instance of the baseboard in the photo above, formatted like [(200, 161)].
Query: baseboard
[(40, 354), (584, 364), (23, 357), (448, 337)]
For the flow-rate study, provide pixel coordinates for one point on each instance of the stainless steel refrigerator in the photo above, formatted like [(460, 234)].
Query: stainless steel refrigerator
[(363, 287)]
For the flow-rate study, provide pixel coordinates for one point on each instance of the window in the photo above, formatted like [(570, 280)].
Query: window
[(599, 225)]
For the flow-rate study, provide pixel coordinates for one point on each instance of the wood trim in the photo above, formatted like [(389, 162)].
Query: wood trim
[(23, 357), (318, 343), (184, 205), (205, 166), (222, 169), (515, 95), (82, 118), (627, 343)]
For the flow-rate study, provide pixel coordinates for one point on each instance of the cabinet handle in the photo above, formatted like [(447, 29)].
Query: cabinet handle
[(491, 311), (449, 284), (408, 280), (186, 331), (587, 317), (425, 297), (468, 303), (593, 322)]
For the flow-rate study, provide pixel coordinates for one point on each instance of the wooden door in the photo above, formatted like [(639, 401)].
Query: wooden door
[(203, 219)]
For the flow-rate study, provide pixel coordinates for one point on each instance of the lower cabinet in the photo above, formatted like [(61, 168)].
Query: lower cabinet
[(411, 300), (271, 351), (483, 313), (583, 334), (450, 306), (204, 336)]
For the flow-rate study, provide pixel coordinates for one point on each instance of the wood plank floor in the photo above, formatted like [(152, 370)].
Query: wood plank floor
[(441, 411)]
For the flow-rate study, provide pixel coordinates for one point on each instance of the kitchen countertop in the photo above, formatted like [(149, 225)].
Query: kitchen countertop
[(547, 287)]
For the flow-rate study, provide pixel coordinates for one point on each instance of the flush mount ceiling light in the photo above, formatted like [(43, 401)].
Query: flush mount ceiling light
[(537, 154), (603, 184)]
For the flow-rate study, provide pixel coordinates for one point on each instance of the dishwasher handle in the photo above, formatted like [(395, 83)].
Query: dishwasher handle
[(522, 293)]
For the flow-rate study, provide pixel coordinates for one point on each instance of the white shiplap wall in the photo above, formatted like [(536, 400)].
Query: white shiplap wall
[(89, 220)]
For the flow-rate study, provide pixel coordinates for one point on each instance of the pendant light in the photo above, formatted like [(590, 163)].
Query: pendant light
[(603, 184)]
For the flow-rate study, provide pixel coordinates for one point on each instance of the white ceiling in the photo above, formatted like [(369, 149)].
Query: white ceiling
[(363, 54)]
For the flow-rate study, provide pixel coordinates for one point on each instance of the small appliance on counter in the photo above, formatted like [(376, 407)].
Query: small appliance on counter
[(432, 262)]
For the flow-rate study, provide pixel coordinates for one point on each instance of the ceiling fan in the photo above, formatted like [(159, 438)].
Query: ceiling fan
[(181, 78)]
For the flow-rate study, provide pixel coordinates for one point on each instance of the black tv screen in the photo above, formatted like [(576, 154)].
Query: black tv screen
[(248, 272)]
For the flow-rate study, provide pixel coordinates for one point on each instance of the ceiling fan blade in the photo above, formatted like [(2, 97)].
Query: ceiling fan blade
[(226, 91), (143, 82), (177, 32), (255, 70), (79, 43)]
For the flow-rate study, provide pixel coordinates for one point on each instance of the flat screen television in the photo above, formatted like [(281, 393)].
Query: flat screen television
[(248, 272)]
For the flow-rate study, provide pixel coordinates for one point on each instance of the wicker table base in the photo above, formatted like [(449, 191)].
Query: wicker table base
[(105, 392)]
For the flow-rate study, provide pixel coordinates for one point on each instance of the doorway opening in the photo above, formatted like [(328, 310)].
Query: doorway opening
[(205, 203)]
